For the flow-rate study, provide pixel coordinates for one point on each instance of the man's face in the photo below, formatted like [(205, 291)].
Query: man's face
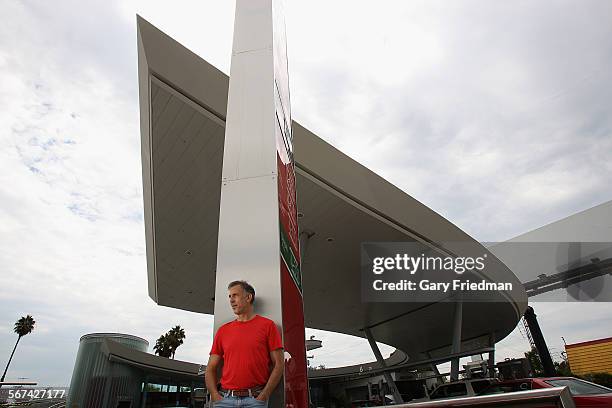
[(239, 299)]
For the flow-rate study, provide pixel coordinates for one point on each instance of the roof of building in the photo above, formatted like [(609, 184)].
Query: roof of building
[(103, 335), (152, 364), (589, 343)]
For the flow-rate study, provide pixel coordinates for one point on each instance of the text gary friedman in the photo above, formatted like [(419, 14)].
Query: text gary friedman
[(427, 285)]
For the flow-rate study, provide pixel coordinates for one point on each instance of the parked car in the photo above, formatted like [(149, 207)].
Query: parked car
[(199, 397), (585, 393), (463, 388), (365, 403), (374, 402)]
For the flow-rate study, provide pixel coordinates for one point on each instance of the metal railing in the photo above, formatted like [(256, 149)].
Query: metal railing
[(558, 397)]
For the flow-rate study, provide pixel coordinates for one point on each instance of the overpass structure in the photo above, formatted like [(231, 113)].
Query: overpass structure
[(183, 107), (567, 260)]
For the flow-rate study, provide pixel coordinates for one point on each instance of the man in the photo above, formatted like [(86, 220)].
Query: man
[(248, 347)]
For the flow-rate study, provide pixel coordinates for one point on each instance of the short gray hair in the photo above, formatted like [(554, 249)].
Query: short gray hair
[(245, 286)]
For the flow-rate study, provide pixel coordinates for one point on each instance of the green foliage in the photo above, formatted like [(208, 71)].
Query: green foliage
[(176, 335), (604, 379), (162, 346), (24, 326), (167, 343), (534, 360), (563, 369)]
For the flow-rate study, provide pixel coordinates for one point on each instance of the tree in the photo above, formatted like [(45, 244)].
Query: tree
[(162, 346), (176, 335), (534, 360), (23, 326), (563, 369), (167, 343), (604, 379)]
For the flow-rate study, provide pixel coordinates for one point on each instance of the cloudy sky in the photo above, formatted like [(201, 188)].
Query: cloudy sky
[(494, 114)]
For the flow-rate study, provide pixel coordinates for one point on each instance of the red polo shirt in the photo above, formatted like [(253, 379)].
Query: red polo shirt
[(245, 348)]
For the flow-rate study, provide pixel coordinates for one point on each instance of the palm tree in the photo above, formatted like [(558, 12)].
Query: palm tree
[(176, 335), (162, 346), (167, 343), (23, 326)]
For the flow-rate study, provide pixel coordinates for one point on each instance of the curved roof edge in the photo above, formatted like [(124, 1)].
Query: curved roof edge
[(105, 335), (152, 363)]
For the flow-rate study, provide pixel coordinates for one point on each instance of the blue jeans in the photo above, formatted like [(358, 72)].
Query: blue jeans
[(239, 402)]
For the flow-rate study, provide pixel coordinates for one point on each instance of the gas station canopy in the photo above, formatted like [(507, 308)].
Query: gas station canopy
[(341, 204)]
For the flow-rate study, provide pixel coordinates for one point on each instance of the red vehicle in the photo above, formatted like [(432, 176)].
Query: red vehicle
[(584, 393)]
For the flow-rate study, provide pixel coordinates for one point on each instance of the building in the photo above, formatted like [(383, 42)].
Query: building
[(589, 357), (115, 370)]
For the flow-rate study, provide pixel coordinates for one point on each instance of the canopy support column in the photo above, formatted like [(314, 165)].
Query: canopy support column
[(456, 347), (491, 363), (540, 343), (396, 394)]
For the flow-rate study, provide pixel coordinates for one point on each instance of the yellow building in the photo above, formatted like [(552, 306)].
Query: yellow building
[(593, 356)]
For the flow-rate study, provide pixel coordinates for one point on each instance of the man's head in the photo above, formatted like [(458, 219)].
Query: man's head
[(241, 296)]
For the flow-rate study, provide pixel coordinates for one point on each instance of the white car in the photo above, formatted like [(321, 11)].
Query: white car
[(456, 389)]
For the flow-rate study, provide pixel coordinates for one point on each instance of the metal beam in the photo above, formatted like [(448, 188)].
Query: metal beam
[(491, 360), (540, 343), (396, 394), (434, 367), (491, 363), (456, 348), (547, 283)]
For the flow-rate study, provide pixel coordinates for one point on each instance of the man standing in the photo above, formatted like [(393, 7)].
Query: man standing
[(252, 353)]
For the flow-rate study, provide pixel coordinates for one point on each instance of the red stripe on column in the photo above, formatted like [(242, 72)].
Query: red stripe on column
[(296, 379)]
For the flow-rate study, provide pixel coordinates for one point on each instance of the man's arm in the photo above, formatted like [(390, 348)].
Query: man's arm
[(278, 360), (211, 377)]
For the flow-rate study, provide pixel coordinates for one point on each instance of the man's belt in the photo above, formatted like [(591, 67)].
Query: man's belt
[(246, 392)]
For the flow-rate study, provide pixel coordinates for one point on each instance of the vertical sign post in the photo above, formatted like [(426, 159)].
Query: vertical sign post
[(258, 230)]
